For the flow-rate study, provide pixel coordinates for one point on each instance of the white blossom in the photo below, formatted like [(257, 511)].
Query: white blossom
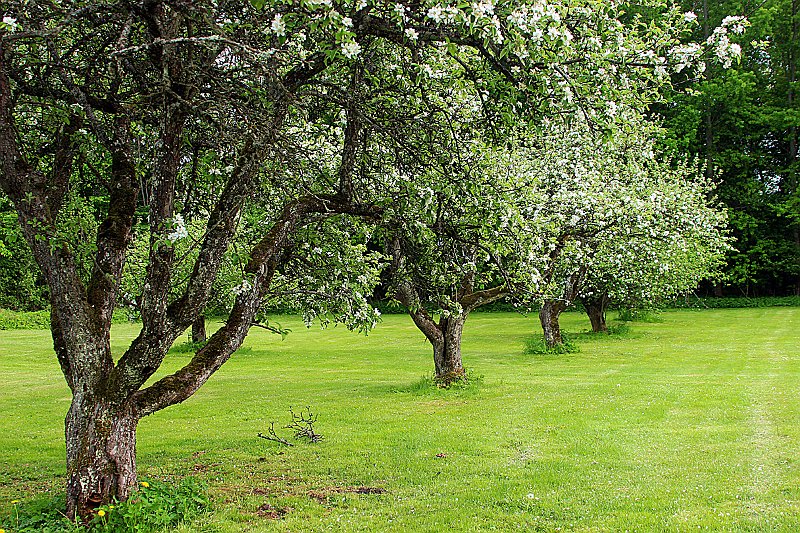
[(484, 9), (278, 26), (10, 23), (351, 49), (179, 230), (436, 13), (400, 9), (243, 288)]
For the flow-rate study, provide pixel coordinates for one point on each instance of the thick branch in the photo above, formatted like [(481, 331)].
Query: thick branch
[(264, 262), (114, 233), (406, 294), (472, 301)]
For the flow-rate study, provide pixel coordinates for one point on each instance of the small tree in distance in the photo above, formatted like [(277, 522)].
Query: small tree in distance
[(623, 223)]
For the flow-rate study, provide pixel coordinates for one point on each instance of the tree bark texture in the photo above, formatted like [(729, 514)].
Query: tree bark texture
[(444, 336), (596, 307), (101, 453), (447, 350), (548, 316), (110, 398)]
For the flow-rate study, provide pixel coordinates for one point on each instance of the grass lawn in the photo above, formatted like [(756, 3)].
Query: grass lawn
[(685, 424)]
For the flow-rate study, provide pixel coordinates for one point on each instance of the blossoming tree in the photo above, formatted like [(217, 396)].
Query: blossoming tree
[(621, 222)]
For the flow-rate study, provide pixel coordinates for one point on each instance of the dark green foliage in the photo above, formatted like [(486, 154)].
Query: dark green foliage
[(21, 285), (187, 347), (536, 345), (30, 320), (743, 124), (42, 515), (735, 302), (157, 506)]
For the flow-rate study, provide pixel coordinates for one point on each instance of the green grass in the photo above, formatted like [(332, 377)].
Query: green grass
[(685, 424)]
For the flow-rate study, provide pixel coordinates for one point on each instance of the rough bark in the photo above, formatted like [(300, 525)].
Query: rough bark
[(100, 426), (101, 453), (552, 309), (596, 306), (447, 351), (548, 316)]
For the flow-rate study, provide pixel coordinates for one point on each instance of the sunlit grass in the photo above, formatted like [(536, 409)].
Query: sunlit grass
[(690, 422)]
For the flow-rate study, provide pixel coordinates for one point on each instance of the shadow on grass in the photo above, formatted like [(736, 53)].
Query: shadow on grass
[(427, 386), (618, 331), (188, 347)]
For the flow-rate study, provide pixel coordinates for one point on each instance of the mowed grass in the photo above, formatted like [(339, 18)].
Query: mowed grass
[(690, 423)]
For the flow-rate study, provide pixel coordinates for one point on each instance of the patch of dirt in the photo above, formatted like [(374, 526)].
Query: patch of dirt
[(273, 513), (323, 494)]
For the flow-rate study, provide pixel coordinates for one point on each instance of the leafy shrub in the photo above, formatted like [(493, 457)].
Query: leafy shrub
[(40, 516), (620, 330), (428, 384), (536, 345), (739, 302), (187, 347), (29, 320), (156, 506)]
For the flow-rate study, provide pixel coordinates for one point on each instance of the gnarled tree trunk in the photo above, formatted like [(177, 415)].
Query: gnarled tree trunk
[(596, 307), (548, 316), (101, 453), (447, 349), (444, 336)]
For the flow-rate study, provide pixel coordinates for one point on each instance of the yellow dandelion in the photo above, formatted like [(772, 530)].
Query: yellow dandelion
[(101, 513), (145, 484), (2, 531), (13, 502)]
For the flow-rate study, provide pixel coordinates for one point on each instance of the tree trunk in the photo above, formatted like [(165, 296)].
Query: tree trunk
[(719, 290), (199, 329), (548, 316), (101, 454), (447, 350), (596, 307)]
